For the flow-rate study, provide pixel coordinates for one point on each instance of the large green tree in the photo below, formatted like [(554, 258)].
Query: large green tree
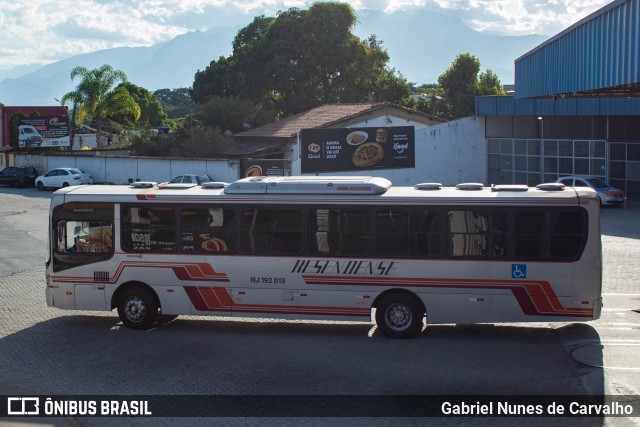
[(152, 113), (176, 102), (233, 114), (461, 84), (302, 59), (98, 95)]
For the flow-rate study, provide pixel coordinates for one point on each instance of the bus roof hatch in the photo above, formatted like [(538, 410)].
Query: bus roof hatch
[(348, 185)]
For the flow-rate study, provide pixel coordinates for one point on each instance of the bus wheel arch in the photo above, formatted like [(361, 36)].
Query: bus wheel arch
[(399, 313), (138, 305)]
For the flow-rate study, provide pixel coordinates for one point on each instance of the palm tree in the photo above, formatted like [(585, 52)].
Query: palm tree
[(97, 95)]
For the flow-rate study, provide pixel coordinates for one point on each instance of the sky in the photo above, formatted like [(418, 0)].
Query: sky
[(39, 32)]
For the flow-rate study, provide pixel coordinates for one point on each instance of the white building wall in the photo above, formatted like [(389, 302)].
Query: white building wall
[(452, 152), (449, 153), (123, 169)]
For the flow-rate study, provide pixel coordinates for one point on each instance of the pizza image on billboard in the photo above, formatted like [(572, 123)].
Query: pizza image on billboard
[(357, 138), (367, 154), (253, 170)]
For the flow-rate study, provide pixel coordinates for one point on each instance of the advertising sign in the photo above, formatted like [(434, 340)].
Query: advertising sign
[(45, 131), (353, 149), (262, 167)]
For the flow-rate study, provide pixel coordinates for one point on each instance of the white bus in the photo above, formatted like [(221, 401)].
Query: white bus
[(330, 248)]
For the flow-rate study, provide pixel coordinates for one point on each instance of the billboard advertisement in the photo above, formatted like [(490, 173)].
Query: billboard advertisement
[(45, 131), (263, 167), (353, 149)]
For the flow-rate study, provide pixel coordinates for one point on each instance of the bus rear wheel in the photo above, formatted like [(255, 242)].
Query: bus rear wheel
[(400, 316), (138, 308)]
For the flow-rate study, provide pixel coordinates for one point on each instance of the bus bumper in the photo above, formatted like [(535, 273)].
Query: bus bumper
[(597, 308), (51, 295)]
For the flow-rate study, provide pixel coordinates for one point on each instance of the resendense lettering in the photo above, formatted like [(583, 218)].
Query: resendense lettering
[(343, 267)]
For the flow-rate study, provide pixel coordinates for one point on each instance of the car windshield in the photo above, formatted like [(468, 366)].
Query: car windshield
[(598, 183), (175, 180), (204, 178), (75, 171)]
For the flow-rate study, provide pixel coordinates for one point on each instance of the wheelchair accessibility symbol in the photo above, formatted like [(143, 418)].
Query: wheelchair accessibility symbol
[(518, 271)]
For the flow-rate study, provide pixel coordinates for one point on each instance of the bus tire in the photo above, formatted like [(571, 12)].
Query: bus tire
[(138, 308), (400, 315)]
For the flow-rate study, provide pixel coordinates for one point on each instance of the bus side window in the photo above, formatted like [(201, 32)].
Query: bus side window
[(272, 231), (529, 238), (84, 237), (207, 230), (468, 233), (393, 236), (148, 229), (428, 233), (566, 234), (339, 232)]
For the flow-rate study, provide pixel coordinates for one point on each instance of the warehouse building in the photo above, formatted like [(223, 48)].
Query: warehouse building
[(576, 107)]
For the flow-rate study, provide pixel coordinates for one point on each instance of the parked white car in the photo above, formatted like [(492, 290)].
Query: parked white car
[(191, 179), (63, 177), (608, 195)]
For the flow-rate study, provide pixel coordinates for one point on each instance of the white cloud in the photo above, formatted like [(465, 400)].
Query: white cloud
[(519, 17), (44, 31)]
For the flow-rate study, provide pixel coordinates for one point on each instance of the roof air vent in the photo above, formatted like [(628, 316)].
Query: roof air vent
[(214, 184), (176, 185), (551, 186), (470, 186), (502, 187), (143, 184), (428, 186)]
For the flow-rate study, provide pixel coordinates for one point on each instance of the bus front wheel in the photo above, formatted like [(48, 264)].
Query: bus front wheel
[(400, 315), (138, 308)]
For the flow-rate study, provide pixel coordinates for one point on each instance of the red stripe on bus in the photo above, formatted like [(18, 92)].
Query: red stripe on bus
[(201, 271), (215, 299), (534, 297)]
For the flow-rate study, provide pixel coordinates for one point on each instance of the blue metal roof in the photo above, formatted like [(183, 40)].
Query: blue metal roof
[(600, 51), (510, 106)]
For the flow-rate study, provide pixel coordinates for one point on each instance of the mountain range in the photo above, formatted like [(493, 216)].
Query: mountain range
[(421, 46)]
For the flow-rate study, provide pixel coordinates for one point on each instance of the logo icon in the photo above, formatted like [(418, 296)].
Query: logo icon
[(314, 148), (23, 406), (518, 271)]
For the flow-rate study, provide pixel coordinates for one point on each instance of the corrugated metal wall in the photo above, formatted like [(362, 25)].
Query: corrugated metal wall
[(602, 50), (510, 106)]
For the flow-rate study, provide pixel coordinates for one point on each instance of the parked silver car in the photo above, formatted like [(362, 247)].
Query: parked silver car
[(191, 179), (63, 177), (608, 195)]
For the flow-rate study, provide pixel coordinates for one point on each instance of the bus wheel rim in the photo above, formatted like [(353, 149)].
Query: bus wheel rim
[(398, 317), (135, 309)]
